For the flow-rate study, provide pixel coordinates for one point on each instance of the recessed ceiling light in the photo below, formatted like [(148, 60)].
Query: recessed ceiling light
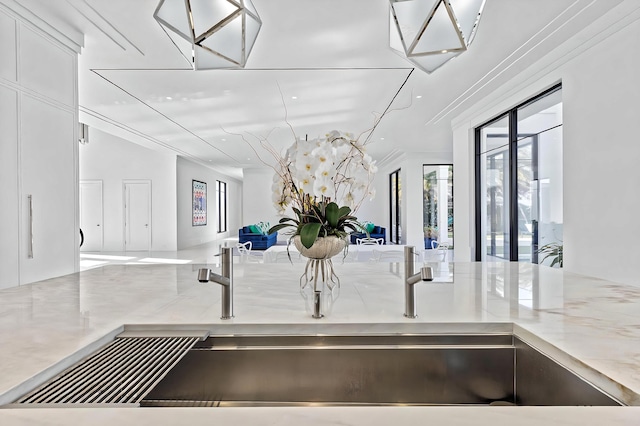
[(248, 158), (294, 97), (224, 140), (419, 97), (444, 51), (169, 98), (381, 139), (210, 161)]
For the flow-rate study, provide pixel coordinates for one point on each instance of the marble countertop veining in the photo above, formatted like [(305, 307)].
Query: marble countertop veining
[(588, 324)]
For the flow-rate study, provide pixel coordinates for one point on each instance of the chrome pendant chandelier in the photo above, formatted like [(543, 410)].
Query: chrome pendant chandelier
[(432, 32), (210, 34)]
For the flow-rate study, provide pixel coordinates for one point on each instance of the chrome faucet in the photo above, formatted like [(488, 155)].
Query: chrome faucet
[(411, 279), (225, 280)]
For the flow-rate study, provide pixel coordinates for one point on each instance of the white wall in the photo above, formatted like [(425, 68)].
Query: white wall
[(38, 151), (112, 160), (601, 94), (601, 150), (463, 193), (256, 197), (189, 235)]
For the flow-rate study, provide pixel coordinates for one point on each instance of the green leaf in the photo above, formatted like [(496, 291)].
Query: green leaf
[(287, 219), (344, 212), (352, 227), (332, 212), (280, 226), (309, 234), (311, 218), (349, 219)]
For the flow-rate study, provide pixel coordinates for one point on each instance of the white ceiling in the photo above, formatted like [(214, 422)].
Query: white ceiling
[(332, 55)]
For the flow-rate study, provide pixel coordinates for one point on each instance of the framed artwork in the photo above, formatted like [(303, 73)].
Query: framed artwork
[(199, 191)]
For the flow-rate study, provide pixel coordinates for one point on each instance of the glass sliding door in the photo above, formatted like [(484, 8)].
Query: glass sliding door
[(519, 182), (437, 210), (539, 147), (494, 159), (395, 198), (527, 199)]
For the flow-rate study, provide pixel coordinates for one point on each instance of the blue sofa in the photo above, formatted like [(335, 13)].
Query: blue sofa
[(258, 241), (378, 232)]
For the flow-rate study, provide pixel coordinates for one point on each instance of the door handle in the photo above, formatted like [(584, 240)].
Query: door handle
[(30, 242)]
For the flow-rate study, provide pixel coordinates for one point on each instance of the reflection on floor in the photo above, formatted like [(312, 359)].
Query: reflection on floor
[(206, 253)]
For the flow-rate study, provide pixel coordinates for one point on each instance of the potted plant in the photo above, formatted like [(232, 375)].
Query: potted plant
[(319, 220), (314, 173), (554, 251)]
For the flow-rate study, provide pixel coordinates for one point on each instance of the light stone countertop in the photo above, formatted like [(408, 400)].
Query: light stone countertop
[(589, 325)]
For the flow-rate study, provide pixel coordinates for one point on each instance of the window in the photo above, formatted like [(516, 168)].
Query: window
[(221, 194), (395, 198), (519, 181), (437, 205)]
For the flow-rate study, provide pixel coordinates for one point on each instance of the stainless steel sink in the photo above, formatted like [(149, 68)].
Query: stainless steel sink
[(393, 369)]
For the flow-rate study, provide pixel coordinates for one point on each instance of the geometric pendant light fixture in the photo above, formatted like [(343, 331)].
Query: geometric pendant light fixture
[(210, 34), (432, 32)]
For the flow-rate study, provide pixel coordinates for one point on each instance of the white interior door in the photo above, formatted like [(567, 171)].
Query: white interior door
[(137, 215), (91, 214)]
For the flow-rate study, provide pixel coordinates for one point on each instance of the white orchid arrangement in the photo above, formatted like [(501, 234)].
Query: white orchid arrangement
[(311, 175), (324, 181), (335, 167)]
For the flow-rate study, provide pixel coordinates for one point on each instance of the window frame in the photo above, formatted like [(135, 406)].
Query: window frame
[(514, 138), (221, 205)]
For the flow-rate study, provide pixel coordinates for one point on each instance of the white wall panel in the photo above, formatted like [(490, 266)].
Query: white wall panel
[(46, 68), (48, 174), (38, 153), (9, 276), (7, 47)]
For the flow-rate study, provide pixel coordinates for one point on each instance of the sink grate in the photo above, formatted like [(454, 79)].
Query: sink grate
[(122, 372)]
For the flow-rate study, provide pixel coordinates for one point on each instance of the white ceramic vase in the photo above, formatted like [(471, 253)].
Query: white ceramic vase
[(322, 248)]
